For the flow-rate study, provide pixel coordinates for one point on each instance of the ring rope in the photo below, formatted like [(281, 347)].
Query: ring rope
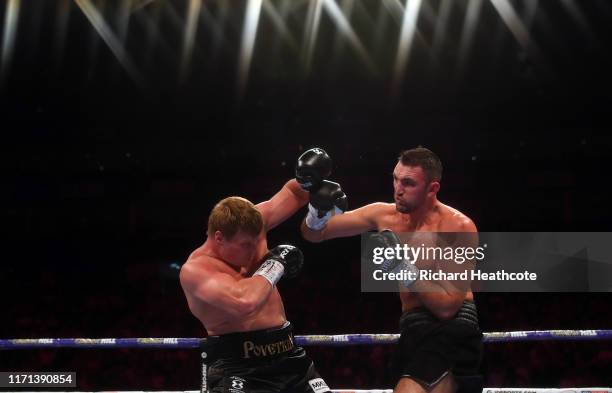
[(485, 390), (340, 340)]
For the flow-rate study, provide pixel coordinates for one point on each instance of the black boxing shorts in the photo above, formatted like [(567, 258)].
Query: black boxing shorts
[(428, 348), (260, 361)]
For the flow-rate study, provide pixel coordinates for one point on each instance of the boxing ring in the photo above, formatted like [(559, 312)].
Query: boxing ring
[(341, 340)]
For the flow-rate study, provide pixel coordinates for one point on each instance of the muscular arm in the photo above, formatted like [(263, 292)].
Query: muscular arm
[(221, 290), (283, 204), (350, 223), (444, 298)]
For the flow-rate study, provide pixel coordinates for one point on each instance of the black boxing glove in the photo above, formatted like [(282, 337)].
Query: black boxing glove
[(326, 202), (388, 239), (312, 167), (281, 261)]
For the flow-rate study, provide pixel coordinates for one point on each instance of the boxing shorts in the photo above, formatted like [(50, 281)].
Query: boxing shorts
[(260, 361), (429, 348)]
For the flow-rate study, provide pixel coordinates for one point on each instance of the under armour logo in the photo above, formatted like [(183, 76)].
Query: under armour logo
[(237, 385)]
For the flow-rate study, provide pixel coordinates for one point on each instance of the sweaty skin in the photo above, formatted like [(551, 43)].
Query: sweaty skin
[(221, 291), (416, 209)]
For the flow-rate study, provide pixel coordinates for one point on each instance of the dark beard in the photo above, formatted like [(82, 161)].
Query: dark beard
[(404, 208)]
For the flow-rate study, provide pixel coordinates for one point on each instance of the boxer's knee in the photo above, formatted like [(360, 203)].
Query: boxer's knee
[(409, 385)]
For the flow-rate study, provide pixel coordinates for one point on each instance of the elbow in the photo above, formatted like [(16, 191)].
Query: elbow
[(312, 239), (310, 235)]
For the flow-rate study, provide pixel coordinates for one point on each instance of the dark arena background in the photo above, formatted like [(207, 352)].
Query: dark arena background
[(124, 122)]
